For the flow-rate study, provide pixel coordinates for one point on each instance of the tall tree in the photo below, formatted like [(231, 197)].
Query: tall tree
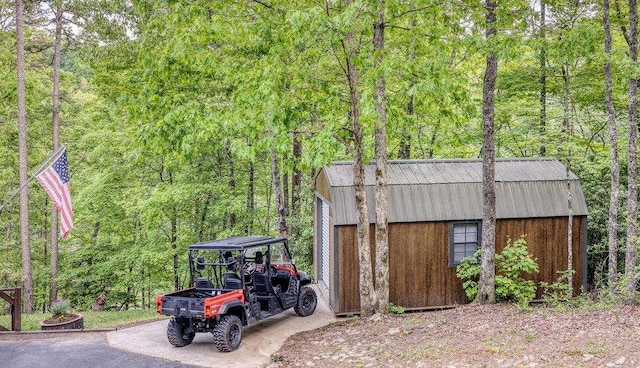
[(280, 201), (296, 177), (612, 223), (22, 153), (382, 229), (486, 283), (566, 86), (367, 291), (631, 257), (53, 291), (543, 76)]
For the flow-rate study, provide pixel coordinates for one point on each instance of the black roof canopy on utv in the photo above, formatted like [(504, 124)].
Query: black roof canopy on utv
[(237, 243)]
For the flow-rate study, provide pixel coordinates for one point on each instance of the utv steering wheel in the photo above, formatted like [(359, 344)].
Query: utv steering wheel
[(249, 268), (273, 270)]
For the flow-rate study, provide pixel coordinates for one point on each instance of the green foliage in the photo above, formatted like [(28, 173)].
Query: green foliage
[(511, 264), (620, 294), (469, 270), (60, 307), (169, 112), (105, 319), (559, 294), (395, 309)]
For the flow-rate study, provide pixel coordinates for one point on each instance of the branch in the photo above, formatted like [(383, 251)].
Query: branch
[(269, 6), (397, 27), (346, 143), (402, 14), (622, 27)]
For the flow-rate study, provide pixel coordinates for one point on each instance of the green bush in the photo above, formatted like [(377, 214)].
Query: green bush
[(511, 264), (469, 271), (60, 307), (559, 293), (618, 293), (396, 309)]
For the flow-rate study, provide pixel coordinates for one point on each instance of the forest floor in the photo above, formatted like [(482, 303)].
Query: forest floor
[(473, 336)]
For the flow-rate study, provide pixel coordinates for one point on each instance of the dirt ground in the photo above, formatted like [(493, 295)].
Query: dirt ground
[(473, 336)]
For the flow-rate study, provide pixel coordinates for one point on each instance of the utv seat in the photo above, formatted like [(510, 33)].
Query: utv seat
[(232, 281), (203, 283), (261, 284), (281, 279), (266, 294)]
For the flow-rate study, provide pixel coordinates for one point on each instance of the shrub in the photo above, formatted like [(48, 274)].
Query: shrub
[(396, 309), (60, 307), (469, 271), (559, 293), (511, 264)]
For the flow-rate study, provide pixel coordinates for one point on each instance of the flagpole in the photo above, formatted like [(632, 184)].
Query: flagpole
[(35, 173)]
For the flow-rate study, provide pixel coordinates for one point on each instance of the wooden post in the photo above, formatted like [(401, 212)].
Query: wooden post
[(16, 306)]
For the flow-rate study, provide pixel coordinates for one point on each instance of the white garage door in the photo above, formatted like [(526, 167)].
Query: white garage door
[(324, 275)]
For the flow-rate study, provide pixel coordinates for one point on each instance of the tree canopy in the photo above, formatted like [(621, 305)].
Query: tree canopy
[(171, 112)]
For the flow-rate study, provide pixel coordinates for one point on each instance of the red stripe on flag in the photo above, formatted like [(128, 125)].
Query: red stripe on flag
[(60, 194)]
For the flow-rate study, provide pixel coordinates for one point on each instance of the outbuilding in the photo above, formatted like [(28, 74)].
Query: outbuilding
[(435, 213)]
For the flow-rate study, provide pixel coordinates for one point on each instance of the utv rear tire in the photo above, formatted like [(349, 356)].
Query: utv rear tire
[(175, 333), (307, 302), (227, 334)]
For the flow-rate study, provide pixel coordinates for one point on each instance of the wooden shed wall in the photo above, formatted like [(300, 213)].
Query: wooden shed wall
[(322, 185), (419, 270), (547, 241)]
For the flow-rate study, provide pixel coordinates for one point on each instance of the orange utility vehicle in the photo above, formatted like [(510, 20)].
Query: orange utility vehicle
[(235, 282)]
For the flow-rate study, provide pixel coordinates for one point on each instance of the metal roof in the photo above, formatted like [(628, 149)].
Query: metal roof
[(446, 190), (237, 243)]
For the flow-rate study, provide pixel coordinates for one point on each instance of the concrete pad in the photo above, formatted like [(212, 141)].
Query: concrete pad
[(258, 341)]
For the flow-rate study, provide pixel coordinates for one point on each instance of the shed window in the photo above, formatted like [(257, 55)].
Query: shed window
[(464, 241)]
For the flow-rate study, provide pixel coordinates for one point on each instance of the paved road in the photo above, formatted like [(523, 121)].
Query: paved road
[(77, 350), (147, 346)]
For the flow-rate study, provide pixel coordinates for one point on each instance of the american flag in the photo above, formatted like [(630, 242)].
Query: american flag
[(55, 181)]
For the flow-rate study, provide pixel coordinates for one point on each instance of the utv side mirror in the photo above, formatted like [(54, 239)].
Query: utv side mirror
[(200, 263), (259, 259)]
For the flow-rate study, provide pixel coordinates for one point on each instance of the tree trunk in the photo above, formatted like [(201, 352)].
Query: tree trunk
[(382, 230), (296, 179), (567, 126), (231, 214), (53, 294), (404, 151), (203, 217), (174, 247), (486, 284), (174, 240), (285, 192), (251, 202), (632, 189), (367, 292), (22, 153), (543, 78), (612, 224), (280, 207), (142, 274)]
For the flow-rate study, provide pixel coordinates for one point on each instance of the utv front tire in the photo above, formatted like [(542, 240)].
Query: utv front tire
[(227, 334), (176, 333), (307, 302)]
